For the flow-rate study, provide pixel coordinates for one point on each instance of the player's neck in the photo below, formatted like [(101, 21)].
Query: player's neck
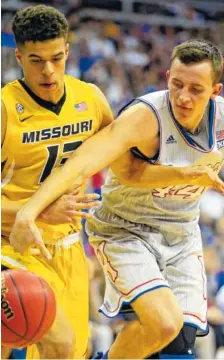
[(193, 126), (54, 98)]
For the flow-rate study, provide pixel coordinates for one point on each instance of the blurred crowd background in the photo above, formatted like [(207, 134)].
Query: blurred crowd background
[(124, 47)]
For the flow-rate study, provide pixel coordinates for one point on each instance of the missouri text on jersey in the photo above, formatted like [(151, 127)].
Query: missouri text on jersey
[(56, 132)]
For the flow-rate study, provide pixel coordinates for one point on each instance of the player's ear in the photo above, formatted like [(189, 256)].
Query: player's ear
[(66, 50), (167, 75), (18, 56), (217, 90)]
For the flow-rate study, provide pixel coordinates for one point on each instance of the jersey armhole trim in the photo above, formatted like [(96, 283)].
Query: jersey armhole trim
[(136, 151)]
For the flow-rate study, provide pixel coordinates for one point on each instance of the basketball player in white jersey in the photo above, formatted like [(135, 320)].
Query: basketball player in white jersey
[(145, 233)]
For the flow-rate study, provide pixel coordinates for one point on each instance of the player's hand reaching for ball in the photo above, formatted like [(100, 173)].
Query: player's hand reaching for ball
[(26, 238)]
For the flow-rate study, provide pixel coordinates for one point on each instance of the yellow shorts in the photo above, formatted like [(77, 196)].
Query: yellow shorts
[(67, 274)]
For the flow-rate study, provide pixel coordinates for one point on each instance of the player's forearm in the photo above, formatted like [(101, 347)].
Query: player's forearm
[(155, 176), (10, 208), (92, 156)]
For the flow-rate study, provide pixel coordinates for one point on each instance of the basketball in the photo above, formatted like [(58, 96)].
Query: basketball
[(28, 308)]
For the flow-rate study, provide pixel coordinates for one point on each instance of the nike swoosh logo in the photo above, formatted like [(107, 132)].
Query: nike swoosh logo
[(26, 118)]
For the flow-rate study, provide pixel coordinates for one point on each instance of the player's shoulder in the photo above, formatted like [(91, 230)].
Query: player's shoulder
[(219, 116), (219, 100), (219, 108), (76, 83), (11, 93), (83, 90), (10, 86), (158, 99)]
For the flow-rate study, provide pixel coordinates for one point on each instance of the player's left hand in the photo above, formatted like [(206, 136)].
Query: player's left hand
[(26, 238), (69, 206)]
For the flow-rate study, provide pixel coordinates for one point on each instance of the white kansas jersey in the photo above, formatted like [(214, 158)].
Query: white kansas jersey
[(173, 210)]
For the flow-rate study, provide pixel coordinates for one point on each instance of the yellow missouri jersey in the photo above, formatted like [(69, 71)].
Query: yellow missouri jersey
[(40, 136)]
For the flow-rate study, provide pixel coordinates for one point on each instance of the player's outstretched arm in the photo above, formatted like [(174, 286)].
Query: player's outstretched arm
[(92, 156), (134, 126)]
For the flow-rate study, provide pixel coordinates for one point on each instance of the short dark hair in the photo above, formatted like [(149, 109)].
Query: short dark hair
[(39, 23), (196, 51)]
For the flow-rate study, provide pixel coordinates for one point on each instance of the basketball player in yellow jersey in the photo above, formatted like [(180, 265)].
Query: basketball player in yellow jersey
[(45, 117)]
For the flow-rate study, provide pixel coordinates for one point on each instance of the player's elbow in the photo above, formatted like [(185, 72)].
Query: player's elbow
[(125, 176), (130, 176)]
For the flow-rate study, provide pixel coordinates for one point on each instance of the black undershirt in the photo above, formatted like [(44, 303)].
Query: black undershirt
[(55, 108)]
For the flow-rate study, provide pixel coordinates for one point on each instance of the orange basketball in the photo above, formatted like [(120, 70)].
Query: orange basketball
[(28, 308)]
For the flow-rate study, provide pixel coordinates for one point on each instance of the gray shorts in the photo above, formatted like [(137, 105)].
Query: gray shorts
[(137, 258)]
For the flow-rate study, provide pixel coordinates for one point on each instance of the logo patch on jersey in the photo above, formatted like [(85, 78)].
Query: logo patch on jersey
[(220, 139), (81, 106), (171, 140), (19, 108)]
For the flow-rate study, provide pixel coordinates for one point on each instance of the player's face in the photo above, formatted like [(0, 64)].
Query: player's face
[(191, 87), (43, 64)]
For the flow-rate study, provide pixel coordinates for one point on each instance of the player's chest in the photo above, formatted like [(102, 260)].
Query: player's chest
[(48, 127), (185, 155), (47, 135), (179, 148)]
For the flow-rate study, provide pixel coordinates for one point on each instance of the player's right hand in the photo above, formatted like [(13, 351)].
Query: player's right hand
[(203, 176), (26, 238)]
